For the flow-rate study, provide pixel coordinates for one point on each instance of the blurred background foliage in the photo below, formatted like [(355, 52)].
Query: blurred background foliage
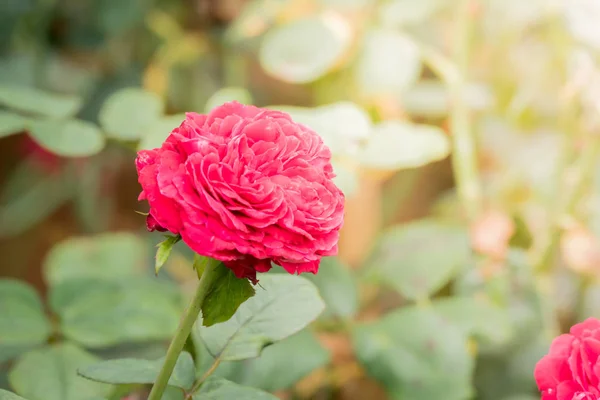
[(465, 135)]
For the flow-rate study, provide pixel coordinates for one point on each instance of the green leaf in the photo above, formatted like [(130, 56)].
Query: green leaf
[(51, 374), (139, 310), (129, 113), (227, 294), (136, 371), (107, 256), (305, 49), (345, 179), (476, 317), (11, 123), (337, 287), (157, 133), (164, 251), (396, 145), (221, 389), (416, 355), (22, 318), (227, 94), (419, 258), (389, 63), (30, 194), (67, 138), (273, 371), (284, 306), (30, 100), (399, 13), (6, 395)]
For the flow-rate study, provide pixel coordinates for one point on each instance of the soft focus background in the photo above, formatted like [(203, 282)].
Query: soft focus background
[(465, 134)]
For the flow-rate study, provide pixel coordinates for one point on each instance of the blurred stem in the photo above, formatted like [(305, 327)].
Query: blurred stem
[(464, 156), (184, 329)]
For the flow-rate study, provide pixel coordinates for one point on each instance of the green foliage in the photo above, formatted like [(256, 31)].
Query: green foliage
[(130, 370), (337, 287), (163, 251), (419, 258), (428, 360), (22, 319), (227, 94), (4, 395), (11, 123), (138, 310), (220, 389), (129, 113), (283, 306), (29, 100), (227, 294), (156, 133), (108, 256), (50, 374), (67, 138)]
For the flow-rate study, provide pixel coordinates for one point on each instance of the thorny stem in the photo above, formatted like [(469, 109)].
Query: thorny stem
[(184, 329), (464, 156)]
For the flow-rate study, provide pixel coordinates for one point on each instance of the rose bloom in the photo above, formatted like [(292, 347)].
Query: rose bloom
[(247, 186), (571, 370)]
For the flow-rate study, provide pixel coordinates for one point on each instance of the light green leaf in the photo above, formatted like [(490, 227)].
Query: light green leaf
[(29, 195), (419, 258), (345, 179), (30, 100), (22, 318), (11, 123), (132, 370), (399, 13), (68, 138), (159, 130), (227, 294), (164, 251), (222, 389), (6, 395), (227, 94), (51, 374), (389, 63), (273, 371), (129, 113), (416, 355), (107, 256), (306, 49), (476, 317), (139, 310), (396, 145), (337, 287), (283, 306)]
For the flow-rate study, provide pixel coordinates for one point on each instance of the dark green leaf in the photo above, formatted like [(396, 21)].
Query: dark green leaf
[(129, 113), (283, 306), (227, 294), (22, 318), (337, 287), (419, 258), (416, 355), (67, 138), (131, 370), (6, 395), (36, 101), (11, 123), (51, 374), (107, 256), (138, 309), (222, 389), (273, 371), (164, 251)]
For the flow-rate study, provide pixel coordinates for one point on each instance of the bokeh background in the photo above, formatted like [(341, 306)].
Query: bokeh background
[(465, 135)]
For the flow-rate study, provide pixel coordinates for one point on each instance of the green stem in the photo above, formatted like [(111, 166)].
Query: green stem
[(184, 329), (464, 155)]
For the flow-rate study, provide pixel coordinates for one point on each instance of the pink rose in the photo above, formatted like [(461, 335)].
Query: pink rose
[(571, 370), (246, 186)]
